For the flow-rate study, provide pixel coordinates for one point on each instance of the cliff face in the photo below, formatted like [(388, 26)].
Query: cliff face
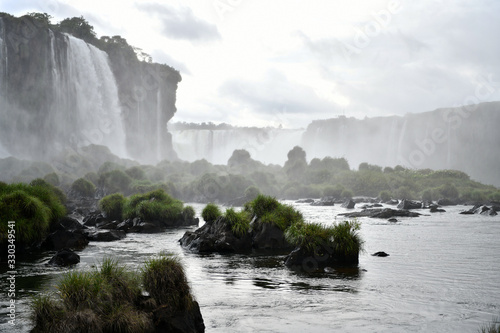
[(58, 93), (463, 138)]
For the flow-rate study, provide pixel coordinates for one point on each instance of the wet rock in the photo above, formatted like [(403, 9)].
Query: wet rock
[(64, 257), (104, 235), (70, 222), (61, 239), (188, 321), (392, 219), (216, 236), (92, 219), (409, 204), (268, 237), (146, 228), (108, 225), (380, 254), (479, 209), (382, 213), (318, 259), (309, 201), (349, 204), (325, 201), (392, 202), (436, 209)]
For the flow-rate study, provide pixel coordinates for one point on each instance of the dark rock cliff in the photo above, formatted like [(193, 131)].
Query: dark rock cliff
[(58, 93)]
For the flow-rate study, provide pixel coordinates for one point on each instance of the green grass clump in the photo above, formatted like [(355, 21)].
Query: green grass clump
[(165, 280), (343, 237), (33, 207), (283, 217), (261, 205), (239, 221), (112, 205), (154, 206), (102, 300), (211, 212), (83, 187), (493, 327)]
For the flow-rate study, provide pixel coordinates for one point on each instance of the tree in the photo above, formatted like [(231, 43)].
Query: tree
[(78, 27), (42, 19)]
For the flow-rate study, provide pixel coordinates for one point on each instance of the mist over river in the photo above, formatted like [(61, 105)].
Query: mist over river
[(442, 275)]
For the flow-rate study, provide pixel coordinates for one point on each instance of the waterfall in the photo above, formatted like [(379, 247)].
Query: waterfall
[(95, 107), (3, 58)]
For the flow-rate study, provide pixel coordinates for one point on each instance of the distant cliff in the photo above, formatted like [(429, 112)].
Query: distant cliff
[(58, 93), (465, 138)]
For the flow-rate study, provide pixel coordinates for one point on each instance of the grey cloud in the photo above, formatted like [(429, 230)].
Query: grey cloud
[(181, 23)]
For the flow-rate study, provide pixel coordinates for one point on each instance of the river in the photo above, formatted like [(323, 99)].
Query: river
[(442, 275)]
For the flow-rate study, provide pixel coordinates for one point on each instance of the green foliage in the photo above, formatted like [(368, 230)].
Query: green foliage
[(188, 213), (154, 206), (334, 191), (342, 237), (78, 27), (115, 181), (83, 187), (52, 179), (136, 173), (239, 221), (261, 205), (101, 300), (211, 212), (385, 196), (113, 205), (165, 280), (448, 190), (283, 217), (33, 207), (347, 194)]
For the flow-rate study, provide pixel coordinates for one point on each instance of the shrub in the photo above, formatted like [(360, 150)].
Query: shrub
[(211, 212), (165, 280), (101, 300), (83, 187), (115, 181), (188, 213), (283, 217), (52, 178), (343, 237), (261, 205), (112, 205), (154, 206), (334, 191), (136, 173), (239, 221), (34, 208), (385, 196)]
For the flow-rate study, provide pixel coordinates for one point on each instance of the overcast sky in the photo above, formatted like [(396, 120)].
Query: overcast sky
[(266, 63)]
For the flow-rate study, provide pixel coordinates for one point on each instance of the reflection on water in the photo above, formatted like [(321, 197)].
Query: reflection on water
[(441, 276)]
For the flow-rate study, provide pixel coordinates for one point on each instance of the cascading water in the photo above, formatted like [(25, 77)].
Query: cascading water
[(3, 76), (88, 79)]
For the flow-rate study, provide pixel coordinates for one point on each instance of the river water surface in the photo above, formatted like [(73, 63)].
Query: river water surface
[(442, 275)]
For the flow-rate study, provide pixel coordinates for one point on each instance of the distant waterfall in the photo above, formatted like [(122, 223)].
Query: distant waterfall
[(89, 81), (267, 145), (3, 76)]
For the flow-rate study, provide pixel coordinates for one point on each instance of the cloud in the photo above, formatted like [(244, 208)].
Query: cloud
[(181, 23), (161, 57)]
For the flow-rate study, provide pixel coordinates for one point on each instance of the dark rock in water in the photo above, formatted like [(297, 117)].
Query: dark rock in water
[(349, 204), (70, 222), (376, 205), (93, 219), (435, 209), (446, 202), (64, 257), (392, 220), (392, 202), (382, 213), (496, 208), (318, 259), (188, 321), (365, 200), (268, 237), (104, 235), (309, 201), (380, 254), (146, 228), (482, 210), (108, 225), (325, 201), (409, 204), (216, 236), (61, 239)]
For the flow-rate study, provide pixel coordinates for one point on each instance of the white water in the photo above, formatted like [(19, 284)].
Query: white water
[(97, 110), (441, 276), (217, 146)]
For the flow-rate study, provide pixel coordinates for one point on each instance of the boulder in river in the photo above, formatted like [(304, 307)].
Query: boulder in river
[(104, 235), (64, 257), (382, 213), (349, 204), (61, 239), (409, 204), (380, 254)]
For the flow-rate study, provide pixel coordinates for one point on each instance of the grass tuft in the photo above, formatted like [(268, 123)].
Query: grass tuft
[(211, 212), (239, 221)]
